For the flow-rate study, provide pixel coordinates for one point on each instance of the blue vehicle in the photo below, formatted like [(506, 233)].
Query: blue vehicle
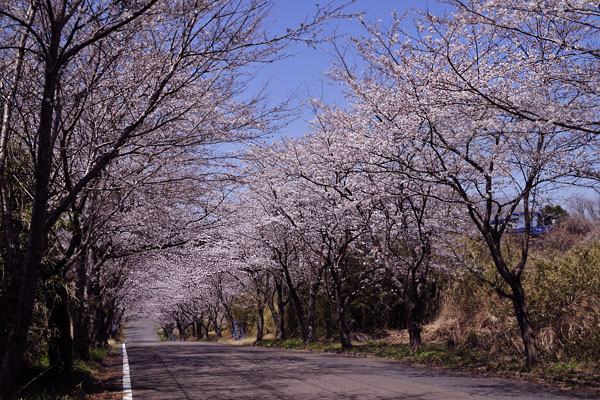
[(540, 223)]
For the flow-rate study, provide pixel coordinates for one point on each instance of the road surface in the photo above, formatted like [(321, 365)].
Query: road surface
[(192, 370)]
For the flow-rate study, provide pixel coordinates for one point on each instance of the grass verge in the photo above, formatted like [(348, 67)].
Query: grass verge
[(571, 375)]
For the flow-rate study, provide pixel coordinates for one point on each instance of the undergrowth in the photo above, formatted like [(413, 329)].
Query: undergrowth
[(38, 382)]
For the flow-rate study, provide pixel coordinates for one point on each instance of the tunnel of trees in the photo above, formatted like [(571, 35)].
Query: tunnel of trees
[(118, 200)]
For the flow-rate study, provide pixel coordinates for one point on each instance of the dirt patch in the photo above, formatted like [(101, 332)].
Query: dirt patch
[(108, 381)]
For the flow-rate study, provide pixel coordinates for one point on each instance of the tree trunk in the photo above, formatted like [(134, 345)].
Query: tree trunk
[(80, 310), (260, 323), (280, 323), (102, 331), (11, 226), (343, 329), (415, 311), (168, 331), (206, 328), (414, 334), (525, 325), (215, 321), (340, 309), (299, 309), (36, 240), (181, 329), (277, 311), (199, 328), (81, 333), (311, 310), (60, 346), (518, 299), (8, 300), (17, 337), (228, 316)]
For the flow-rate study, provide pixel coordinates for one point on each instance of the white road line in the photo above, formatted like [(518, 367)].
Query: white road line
[(127, 392)]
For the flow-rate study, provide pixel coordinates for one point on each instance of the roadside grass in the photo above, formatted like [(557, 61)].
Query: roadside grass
[(429, 354), (225, 340), (38, 383), (572, 374), (210, 338)]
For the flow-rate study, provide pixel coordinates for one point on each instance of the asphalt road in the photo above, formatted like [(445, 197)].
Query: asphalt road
[(188, 370)]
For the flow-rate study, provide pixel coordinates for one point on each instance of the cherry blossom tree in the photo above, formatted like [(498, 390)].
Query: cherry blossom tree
[(408, 228), (313, 190), (411, 231), (269, 237), (135, 208), (107, 81), (483, 110), (565, 35), (277, 230)]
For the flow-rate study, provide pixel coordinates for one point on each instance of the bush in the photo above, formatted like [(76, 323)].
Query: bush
[(563, 296)]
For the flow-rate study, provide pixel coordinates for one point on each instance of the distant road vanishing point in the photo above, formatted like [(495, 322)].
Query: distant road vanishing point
[(195, 370)]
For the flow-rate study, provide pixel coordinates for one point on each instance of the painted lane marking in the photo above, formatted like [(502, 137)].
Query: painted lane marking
[(127, 392)]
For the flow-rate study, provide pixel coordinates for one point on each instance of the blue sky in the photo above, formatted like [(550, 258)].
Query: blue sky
[(302, 73)]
